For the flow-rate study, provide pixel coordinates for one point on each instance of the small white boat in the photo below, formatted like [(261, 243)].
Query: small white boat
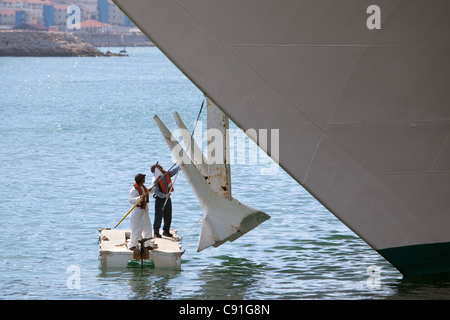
[(114, 253)]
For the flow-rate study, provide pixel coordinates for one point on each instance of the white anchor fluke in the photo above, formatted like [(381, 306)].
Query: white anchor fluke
[(223, 219)]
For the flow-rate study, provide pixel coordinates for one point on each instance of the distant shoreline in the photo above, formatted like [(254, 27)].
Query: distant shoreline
[(23, 43), (115, 39)]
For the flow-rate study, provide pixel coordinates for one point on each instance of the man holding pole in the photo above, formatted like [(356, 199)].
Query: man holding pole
[(163, 203), (140, 224)]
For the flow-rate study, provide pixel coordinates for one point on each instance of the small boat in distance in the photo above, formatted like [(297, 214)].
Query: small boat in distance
[(123, 53)]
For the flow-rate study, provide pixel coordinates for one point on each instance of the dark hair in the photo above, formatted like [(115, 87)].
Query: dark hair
[(139, 177)]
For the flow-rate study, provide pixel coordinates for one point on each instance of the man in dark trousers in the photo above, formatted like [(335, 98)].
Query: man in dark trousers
[(162, 192)]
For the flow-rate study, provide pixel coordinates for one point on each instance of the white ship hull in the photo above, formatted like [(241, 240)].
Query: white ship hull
[(363, 114)]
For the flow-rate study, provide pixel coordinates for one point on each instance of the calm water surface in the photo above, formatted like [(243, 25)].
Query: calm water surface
[(75, 131)]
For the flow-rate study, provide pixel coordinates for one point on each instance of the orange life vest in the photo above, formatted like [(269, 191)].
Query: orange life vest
[(144, 202), (162, 185)]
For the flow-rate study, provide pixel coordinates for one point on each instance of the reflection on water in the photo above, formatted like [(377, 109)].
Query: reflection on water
[(146, 283), (233, 278), (429, 287)]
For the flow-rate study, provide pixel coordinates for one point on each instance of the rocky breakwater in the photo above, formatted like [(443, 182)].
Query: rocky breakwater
[(44, 44)]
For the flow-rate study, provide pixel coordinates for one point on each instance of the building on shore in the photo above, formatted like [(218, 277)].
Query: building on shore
[(7, 17), (57, 12), (99, 22), (94, 26)]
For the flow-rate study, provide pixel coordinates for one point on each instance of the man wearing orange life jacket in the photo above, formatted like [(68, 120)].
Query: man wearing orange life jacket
[(162, 193), (140, 224)]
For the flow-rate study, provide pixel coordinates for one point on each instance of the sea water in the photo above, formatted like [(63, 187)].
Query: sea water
[(75, 131)]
